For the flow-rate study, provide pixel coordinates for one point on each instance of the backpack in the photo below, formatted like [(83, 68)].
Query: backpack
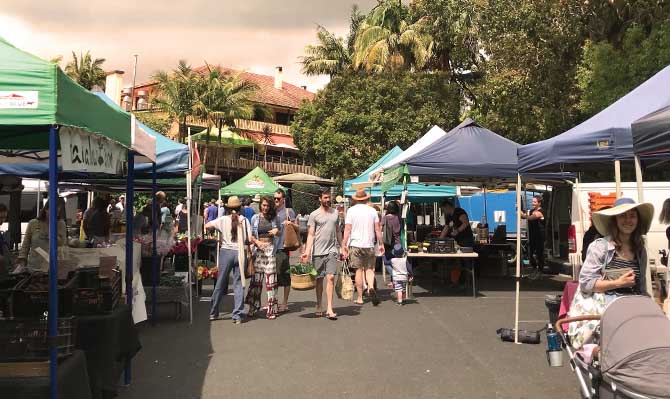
[(387, 234)]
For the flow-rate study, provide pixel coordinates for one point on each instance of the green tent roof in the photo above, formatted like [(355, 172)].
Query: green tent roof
[(255, 182), (35, 94), (228, 138)]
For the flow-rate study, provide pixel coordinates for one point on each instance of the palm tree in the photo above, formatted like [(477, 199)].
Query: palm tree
[(177, 94), (388, 40), (330, 57), (85, 70)]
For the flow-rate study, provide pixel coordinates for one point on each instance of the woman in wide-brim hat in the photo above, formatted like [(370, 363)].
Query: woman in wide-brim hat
[(235, 231), (622, 247)]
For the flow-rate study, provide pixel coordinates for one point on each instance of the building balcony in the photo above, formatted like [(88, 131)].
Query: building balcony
[(273, 165)]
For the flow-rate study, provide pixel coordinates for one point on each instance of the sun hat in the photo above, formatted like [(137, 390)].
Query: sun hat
[(601, 219), (361, 195), (397, 251), (257, 198), (233, 202), (219, 202)]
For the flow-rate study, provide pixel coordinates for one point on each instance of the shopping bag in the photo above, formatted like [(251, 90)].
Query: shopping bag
[(291, 237), (344, 286), (583, 332)]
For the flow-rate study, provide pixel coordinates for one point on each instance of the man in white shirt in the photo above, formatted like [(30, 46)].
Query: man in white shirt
[(122, 203), (361, 227)]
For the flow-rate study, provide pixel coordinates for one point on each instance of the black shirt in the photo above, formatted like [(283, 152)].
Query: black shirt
[(536, 227), (465, 237)]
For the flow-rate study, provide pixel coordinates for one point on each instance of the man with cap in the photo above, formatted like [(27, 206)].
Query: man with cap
[(361, 228)]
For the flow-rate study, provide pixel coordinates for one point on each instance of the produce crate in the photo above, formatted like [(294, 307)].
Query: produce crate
[(28, 339), (87, 293), (30, 298), (7, 286)]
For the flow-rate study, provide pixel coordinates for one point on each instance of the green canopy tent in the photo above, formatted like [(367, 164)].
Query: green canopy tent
[(255, 182), (228, 138), (42, 110)]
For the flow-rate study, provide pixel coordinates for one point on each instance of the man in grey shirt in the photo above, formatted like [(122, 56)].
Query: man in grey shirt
[(324, 237)]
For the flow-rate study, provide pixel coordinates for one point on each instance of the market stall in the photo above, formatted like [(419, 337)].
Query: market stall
[(45, 118), (254, 182)]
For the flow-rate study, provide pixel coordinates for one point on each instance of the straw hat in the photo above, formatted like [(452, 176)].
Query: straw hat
[(361, 195), (233, 202), (219, 202), (257, 198), (601, 219)]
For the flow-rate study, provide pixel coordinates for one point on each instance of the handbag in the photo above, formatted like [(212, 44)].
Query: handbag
[(249, 269), (291, 235), (344, 286)]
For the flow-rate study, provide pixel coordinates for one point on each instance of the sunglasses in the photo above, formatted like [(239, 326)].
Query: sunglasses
[(277, 199)]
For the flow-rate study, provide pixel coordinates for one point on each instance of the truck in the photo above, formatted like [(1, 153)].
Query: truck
[(569, 216)]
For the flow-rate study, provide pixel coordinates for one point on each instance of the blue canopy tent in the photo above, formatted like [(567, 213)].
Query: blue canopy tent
[(602, 139), (651, 141), (417, 193)]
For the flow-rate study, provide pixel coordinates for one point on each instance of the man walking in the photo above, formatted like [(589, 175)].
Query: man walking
[(361, 227), (286, 216), (324, 237)]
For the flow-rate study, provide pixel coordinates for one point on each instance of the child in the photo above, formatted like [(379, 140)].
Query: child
[(402, 272)]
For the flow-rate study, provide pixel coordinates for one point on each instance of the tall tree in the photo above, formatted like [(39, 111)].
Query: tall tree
[(389, 40), (332, 55), (177, 94), (86, 70), (358, 117)]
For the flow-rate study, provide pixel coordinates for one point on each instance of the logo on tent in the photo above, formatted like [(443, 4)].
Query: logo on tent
[(255, 182), (18, 99), (603, 144)]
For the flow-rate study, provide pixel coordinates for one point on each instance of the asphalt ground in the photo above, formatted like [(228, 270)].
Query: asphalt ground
[(442, 345)]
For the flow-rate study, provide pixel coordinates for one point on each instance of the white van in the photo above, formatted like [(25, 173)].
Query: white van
[(564, 225)]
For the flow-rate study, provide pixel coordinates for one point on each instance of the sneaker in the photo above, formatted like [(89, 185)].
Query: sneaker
[(213, 317), (237, 321)]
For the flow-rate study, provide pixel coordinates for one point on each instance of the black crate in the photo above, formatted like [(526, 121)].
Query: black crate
[(87, 293), (28, 339), (7, 286), (28, 301)]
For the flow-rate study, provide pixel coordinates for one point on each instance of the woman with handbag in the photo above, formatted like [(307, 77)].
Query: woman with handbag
[(615, 265), (233, 227), (265, 228)]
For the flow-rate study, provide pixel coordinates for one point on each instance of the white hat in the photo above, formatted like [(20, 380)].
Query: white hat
[(601, 219), (257, 198)]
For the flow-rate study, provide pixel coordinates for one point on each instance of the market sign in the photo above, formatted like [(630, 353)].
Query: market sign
[(18, 99), (84, 152), (391, 177)]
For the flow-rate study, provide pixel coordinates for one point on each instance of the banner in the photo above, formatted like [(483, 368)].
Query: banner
[(391, 177), (84, 152)]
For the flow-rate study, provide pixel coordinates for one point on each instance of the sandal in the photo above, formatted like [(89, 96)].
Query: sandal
[(331, 316), (282, 309)]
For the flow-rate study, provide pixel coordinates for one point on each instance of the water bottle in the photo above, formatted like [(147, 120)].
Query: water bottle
[(553, 343)]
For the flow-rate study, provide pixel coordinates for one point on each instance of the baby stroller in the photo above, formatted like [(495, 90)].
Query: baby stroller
[(632, 359)]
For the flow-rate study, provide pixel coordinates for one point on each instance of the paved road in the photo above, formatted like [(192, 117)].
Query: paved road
[(441, 346)]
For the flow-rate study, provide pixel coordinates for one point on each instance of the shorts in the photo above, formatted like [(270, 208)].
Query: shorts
[(400, 285), (283, 264), (325, 264), (362, 258)]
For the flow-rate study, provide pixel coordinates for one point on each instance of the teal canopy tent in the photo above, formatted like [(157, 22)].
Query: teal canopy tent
[(417, 192)]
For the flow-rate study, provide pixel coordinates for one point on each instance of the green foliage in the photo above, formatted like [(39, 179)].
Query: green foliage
[(177, 94), (358, 117), (607, 73), (303, 268), (85, 70), (305, 198), (157, 122)]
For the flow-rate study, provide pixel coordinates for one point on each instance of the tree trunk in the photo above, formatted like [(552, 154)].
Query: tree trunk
[(216, 160)]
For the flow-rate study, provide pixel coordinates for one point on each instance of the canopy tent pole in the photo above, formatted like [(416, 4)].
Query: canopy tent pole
[(39, 197), (130, 199), (638, 179), (518, 257), (154, 253), (575, 271), (485, 219), (189, 190), (53, 262), (617, 177)]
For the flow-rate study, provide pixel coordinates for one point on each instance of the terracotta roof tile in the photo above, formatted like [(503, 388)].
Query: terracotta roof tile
[(290, 96)]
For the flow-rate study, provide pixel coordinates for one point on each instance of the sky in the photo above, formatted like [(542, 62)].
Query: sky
[(251, 35)]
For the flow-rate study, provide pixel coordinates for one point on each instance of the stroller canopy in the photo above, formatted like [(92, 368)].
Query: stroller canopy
[(635, 345)]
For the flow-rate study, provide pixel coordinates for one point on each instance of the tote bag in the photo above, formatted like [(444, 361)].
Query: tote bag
[(344, 286)]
